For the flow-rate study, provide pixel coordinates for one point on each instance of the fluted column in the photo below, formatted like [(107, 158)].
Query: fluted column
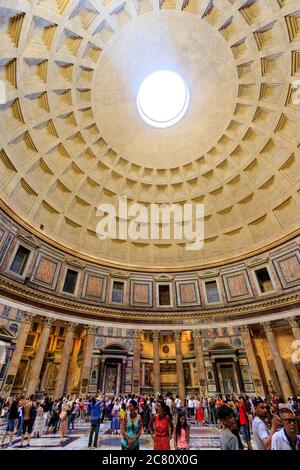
[(179, 367), (294, 324), (36, 365), (17, 355), (282, 375), (63, 367), (156, 362), (256, 377), (200, 363), (136, 362), (87, 360)]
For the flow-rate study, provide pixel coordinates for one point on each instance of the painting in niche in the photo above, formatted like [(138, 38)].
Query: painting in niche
[(210, 376), (228, 379), (128, 377), (94, 376), (110, 379)]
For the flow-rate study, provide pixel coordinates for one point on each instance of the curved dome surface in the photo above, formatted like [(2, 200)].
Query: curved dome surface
[(71, 136)]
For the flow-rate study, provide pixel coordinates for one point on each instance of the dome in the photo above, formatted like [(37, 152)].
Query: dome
[(72, 137)]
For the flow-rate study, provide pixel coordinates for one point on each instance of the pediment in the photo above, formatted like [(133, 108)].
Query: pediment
[(6, 334), (30, 240)]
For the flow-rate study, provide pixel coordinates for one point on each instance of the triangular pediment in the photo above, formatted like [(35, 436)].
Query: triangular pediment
[(6, 334), (29, 240)]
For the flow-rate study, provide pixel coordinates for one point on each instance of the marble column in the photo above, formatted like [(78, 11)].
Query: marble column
[(72, 366), (200, 363), (179, 367), (256, 377), (239, 376), (100, 374), (216, 376), (17, 355), (87, 360), (156, 362), (36, 365), (136, 362), (294, 324), (278, 362), (63, 367)]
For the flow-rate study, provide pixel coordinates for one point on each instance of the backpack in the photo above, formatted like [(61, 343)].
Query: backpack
[(32, 412)]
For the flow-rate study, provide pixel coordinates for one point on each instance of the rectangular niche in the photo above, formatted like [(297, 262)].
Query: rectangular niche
[(164, 294), (263, 280), (70, 281), (117, 292), (20, 261), (94, 286), (212, 292), (187, 293), (141, 293)]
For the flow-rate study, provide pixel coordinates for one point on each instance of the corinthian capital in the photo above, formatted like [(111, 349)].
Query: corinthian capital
[(70, 327), (155, 335), (293, 322), (267, 326), (137, 334), (90, 329), (177, 335), (48, 322), (196, 333), (244, 329), (27, 317)]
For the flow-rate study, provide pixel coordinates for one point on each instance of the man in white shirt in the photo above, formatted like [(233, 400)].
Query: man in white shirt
[(286, 438), (177, 403), (169, 404), (261, 433)]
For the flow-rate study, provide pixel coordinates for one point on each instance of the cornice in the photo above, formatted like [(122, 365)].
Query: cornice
[(24, 294)]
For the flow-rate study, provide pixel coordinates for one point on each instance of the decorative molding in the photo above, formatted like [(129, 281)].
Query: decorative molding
[(163, 277), (75, 262), (208, 274), (66, 306), (119, 274), (30, 240), (258, 261)]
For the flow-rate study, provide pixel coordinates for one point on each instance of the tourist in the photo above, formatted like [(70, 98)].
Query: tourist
[(198, 413), (243, 421), (63, 425), (29, 413), (12, 417), (161, 427), (286, 438), (169, 403), (228, 439), (261, 433), (54, 417), (115, 422), (182, 433), (177, 404), (39, 421), (146, 415), (131, 428), (94, 411), (212, 411)]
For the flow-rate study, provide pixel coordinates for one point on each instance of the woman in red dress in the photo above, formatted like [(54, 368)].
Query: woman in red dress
[(161, 427)]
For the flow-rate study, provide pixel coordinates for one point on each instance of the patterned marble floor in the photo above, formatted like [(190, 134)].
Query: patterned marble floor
[(205, 438)]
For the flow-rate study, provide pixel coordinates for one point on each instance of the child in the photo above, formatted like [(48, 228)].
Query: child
[(182, 433), (228, 438)]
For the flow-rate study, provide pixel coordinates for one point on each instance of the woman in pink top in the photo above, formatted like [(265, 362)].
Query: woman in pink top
[(182, 433)]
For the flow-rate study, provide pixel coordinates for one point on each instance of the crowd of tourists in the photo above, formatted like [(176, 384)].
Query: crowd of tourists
[(272, 424)]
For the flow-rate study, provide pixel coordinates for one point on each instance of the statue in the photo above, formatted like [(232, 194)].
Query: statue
[(229, 382)]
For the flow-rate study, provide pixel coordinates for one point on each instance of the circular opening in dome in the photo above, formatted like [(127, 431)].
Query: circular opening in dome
[(163, 99)]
